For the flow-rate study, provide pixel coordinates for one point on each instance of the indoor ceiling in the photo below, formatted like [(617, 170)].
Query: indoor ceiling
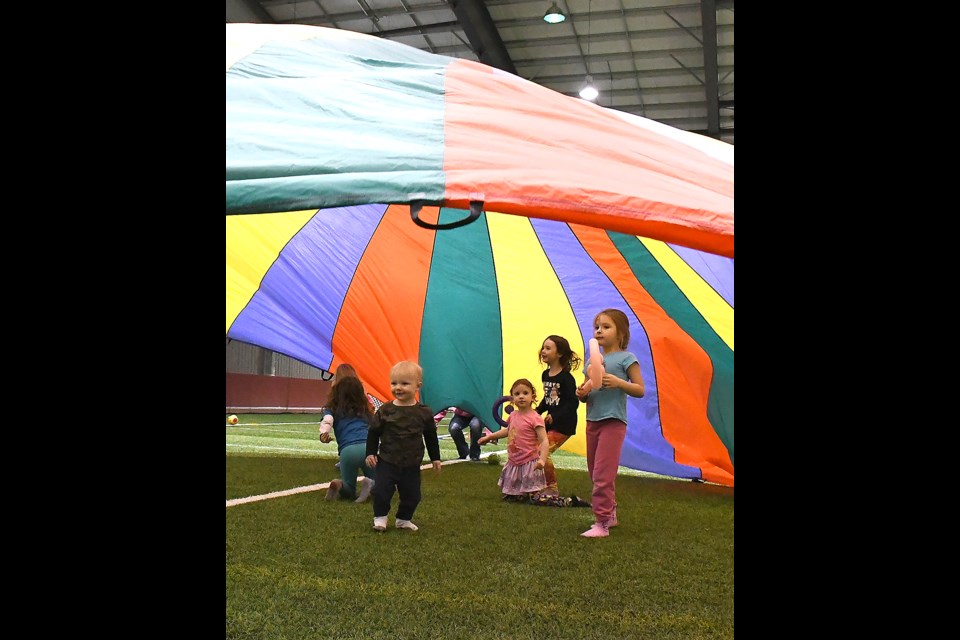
[(667, 60)]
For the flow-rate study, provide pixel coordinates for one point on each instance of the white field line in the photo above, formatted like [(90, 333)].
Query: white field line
[(279, 494), (324, 486), (238, 445), (254, 428), (261, 446)]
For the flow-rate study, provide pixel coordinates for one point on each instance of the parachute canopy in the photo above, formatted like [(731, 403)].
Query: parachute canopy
[(332, 135), (320, 118)]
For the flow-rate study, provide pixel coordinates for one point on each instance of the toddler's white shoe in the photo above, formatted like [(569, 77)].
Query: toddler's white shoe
[(406, 524), (380, 524)]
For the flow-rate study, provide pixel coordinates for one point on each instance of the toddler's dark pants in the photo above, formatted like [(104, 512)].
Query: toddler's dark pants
[(405, 481)]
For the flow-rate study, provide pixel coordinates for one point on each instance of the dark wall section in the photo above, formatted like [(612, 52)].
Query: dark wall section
[(248, 393)]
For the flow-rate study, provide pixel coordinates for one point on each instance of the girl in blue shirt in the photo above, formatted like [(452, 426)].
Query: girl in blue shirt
[(607, 415), (348, 414)]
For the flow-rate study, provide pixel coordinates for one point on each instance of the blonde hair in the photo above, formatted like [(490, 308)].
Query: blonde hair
[(407, 366)]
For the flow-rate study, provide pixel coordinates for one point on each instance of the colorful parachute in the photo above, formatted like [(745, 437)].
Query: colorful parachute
[(320, 118), (332, 136)]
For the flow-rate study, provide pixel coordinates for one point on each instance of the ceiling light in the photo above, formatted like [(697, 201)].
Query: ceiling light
[(589, 92), (553, 14)]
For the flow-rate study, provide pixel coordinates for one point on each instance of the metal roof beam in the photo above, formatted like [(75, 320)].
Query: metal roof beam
[(711, 75), (435, 27), (482, 34)]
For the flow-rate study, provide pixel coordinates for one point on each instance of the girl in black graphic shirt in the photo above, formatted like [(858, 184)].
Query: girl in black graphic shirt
[(560, 401)]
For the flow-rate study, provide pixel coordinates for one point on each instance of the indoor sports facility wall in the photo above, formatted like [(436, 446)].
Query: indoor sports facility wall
[(262, 381)]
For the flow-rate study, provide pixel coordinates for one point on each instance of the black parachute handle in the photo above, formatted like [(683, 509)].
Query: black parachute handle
[(476, 208)]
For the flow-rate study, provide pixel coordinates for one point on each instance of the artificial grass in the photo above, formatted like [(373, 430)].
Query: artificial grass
[(297, 436), (300, 567)]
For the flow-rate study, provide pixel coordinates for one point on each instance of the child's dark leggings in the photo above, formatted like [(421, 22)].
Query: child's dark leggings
[(405, 481)]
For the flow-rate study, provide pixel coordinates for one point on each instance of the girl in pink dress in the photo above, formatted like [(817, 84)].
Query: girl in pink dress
[(527, 445)]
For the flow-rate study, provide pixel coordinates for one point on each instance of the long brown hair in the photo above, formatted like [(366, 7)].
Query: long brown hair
[(569, 359), (347, 398), (344, 370)]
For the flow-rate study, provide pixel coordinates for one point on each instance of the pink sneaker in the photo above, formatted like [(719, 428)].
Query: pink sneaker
[(598, 530)]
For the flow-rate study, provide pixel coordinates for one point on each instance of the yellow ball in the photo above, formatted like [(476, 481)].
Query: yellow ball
[(232, 419)]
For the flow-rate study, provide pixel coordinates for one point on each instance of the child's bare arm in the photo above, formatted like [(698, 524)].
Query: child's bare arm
[(544, 447), (502, 433)]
